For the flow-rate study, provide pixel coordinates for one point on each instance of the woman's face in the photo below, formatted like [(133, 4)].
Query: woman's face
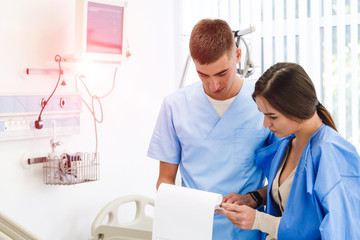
[(280, 125)]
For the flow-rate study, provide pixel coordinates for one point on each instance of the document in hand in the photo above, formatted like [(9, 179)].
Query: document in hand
[(184, 213)]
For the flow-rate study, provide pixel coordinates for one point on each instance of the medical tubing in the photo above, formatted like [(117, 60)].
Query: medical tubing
[(95, 120), (92, 110), (93, 97), (57, 59), (98, 98), (113, 86)]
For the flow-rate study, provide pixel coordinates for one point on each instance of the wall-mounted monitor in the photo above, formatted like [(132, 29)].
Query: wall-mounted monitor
[(100, 30)]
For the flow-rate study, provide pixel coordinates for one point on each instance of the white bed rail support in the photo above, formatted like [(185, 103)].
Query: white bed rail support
[(11, 230), (106, 224)]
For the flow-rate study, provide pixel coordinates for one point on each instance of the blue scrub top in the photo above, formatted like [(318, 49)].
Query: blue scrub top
[(214, 154), (324, 199)]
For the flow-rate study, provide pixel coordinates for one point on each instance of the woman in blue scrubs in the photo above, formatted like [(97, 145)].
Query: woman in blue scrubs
[(313, 172)]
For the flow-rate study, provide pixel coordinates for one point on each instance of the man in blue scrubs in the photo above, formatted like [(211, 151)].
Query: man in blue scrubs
[(211, 129)]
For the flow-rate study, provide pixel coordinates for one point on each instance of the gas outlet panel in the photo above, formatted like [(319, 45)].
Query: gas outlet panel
[(18, 114)]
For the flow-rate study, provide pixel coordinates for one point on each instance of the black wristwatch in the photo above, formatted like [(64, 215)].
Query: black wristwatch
[(257, 197)]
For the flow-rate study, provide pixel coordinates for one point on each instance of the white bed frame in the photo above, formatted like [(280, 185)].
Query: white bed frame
[(139, 228)]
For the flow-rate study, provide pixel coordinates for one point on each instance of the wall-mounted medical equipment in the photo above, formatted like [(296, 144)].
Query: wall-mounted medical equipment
[(42, 71), (18, 114), (39, 123), (65, 168), (248, 68), (100, 31), (69, 169)]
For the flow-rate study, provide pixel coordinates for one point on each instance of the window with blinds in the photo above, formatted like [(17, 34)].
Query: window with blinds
[(321, 35)]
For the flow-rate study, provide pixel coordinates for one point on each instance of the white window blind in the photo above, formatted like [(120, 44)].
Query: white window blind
[(321, 35)]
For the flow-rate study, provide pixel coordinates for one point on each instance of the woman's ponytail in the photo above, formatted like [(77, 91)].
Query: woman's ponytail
[(325, 116)]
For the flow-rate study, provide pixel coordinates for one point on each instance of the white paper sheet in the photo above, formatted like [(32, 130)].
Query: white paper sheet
[(184, 213)]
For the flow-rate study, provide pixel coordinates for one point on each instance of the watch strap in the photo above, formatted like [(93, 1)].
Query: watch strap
[(257, 197)]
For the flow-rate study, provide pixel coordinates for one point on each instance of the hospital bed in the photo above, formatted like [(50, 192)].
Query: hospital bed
[(139, 228), (10, 230)]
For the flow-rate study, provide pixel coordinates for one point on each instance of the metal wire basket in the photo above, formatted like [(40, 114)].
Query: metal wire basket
[(71, 169)]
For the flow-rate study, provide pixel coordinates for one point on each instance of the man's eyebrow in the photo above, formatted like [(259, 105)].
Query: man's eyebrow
[(201, 73), (219, 73)]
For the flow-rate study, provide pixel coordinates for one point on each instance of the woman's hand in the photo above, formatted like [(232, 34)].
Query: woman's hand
[(240, 215)]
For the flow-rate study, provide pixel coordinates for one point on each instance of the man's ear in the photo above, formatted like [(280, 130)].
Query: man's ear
[(238, 55)]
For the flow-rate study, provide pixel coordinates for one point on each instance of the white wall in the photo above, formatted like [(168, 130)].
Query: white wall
[(31, 34)]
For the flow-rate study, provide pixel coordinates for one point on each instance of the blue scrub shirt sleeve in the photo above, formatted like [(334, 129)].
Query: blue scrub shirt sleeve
[(337, 186), (164, 144), (341, 220)]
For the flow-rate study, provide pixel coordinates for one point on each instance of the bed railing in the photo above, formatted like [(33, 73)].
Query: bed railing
[(11, 230)]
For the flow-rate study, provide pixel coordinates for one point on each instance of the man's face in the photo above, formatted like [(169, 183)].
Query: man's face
[(218, 78)]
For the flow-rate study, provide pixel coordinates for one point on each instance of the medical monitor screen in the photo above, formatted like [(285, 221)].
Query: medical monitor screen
[(105, 25)]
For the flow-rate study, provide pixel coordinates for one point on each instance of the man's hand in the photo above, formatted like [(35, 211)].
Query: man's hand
[(239, 200), (245, 199)]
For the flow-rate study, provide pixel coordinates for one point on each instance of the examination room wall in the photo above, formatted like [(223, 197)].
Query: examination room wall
[(32, 33)]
